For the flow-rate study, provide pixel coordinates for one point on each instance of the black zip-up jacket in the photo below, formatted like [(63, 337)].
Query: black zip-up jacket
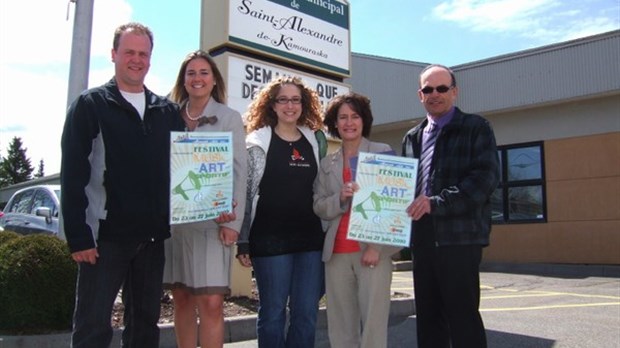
[(115, 171), (465, 172)]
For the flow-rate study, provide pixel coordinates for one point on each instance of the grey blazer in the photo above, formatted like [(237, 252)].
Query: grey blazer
[(229, 120), (327, 204)]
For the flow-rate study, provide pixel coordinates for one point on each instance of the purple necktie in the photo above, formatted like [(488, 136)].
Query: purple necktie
[(426, 158)]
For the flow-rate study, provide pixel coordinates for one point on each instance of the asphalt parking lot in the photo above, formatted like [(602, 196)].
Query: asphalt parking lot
[(568, 309), (550, 311)]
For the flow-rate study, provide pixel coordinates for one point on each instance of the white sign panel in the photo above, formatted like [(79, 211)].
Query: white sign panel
[(314, 33), (246, 77)]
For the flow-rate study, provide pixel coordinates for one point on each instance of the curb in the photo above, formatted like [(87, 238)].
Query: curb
[(236, 329), (553, 269), (399, 266)]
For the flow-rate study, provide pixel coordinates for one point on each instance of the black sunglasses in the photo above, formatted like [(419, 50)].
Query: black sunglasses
[(440, 89)]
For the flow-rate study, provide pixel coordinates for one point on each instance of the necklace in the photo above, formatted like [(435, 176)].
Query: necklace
[(288, 137), (188, 115)]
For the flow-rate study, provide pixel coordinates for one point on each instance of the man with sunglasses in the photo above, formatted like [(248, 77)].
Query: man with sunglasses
[(458, 172)]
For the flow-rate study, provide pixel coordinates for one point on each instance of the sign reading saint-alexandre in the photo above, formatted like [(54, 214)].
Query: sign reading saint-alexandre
[(313, 33), (246, 76)]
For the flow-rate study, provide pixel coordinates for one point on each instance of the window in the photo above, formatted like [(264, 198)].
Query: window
[(43, 199), (520, 197), (21, 202)]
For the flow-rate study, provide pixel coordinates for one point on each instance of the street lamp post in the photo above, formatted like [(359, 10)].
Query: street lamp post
[(80, 48)]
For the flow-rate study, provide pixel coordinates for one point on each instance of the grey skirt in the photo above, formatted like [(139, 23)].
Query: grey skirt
[(196, 259)]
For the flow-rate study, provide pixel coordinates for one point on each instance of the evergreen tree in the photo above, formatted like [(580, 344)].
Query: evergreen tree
[(16, 167), (2, 174), (40, 171)]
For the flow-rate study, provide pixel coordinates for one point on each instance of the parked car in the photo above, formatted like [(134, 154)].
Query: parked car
[(33, 209)]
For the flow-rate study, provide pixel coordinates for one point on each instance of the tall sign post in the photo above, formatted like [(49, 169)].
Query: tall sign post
[(80, 48), (255, 41)]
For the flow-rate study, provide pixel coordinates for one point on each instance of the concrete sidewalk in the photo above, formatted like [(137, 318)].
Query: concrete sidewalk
[(243, 328), (237, 329)]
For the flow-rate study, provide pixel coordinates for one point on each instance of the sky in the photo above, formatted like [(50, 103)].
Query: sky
[(35, 46)]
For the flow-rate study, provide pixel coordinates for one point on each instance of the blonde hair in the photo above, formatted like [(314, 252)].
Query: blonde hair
[(179, 93)]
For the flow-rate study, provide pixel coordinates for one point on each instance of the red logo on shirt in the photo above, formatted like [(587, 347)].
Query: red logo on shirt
[(296, 156)]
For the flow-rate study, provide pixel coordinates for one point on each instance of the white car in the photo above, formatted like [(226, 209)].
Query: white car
[(33, 209)]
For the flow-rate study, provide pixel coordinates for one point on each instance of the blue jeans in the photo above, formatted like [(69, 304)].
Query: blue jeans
[(136, 267), (294, 278)]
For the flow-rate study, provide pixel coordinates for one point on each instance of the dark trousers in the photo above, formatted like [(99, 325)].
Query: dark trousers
[(447, 296), (139, 269)]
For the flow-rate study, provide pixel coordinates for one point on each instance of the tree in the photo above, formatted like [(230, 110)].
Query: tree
[(2, 174), (16, 167), (40, 171)]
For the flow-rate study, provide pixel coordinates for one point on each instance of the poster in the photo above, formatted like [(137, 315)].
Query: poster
[(201, 175), (386, 188)]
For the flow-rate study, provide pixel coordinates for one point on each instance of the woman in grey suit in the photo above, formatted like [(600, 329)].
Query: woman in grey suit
[(198, 255), (357, 274)]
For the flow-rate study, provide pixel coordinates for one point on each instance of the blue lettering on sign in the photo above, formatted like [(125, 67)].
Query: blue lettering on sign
[(393, 191), (211, 167)]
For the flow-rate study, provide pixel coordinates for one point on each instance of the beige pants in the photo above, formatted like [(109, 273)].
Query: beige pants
[(358, 301)]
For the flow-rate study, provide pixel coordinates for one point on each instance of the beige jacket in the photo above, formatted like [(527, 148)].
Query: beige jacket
[(327, 204)]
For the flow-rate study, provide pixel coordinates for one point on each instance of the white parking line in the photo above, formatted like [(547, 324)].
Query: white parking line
[(536, 293), (548, 307)]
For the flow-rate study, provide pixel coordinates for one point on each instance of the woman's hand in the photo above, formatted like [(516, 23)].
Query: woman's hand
[(347, 191), (370, 257), (228, 236), (227, 216), (244, 260)]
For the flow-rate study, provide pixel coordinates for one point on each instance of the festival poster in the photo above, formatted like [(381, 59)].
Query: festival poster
[(201, 175), (386, 188)]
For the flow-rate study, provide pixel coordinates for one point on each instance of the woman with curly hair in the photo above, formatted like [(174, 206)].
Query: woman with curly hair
[(281, 236)]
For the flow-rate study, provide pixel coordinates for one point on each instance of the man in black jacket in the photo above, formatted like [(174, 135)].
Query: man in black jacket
[(458, 172), (115, 177)]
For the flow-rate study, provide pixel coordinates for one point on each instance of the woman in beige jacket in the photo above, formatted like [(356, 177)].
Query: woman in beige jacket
[(357, 274)]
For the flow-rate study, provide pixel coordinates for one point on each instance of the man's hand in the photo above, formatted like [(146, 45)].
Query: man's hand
[(87, 256), (419, 207)]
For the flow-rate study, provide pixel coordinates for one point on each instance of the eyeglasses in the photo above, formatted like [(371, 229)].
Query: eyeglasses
[(440, 89), (285, 100)]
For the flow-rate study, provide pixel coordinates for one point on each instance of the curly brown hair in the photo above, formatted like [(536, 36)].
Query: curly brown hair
[(359, 103), (260, 112)]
